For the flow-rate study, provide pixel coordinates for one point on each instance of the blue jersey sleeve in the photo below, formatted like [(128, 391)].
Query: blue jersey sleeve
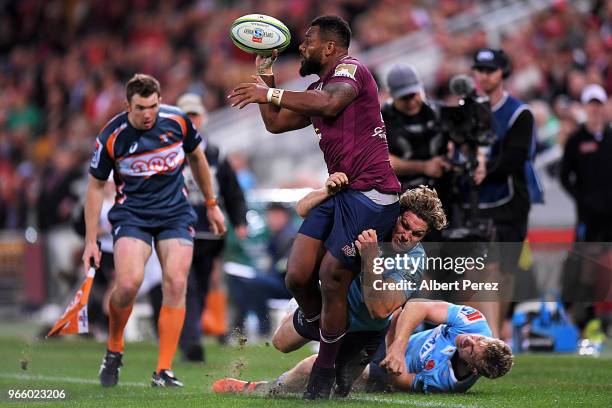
[(192, 138), (101, 163), (413, 275), (441, 379), (432, 381), (466, 319)]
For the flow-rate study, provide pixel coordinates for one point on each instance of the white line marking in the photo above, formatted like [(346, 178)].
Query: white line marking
[(406, 402)]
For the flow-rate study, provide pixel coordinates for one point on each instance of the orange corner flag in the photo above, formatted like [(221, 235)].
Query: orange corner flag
[(74, 319)]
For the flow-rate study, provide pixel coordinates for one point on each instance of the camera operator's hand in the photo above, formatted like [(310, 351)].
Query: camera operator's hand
[(481, 172), (436, 166)]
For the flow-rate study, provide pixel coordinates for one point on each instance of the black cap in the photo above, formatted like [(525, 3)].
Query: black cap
[(490, 58)]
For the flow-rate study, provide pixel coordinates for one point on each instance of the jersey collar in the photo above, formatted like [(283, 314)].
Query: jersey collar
[(501, 102)]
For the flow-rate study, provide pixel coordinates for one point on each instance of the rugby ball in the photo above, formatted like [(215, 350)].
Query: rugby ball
[(259, 34)]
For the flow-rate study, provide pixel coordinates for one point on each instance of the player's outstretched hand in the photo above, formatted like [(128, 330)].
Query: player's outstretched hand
[(366, 243), (264, 64), (91, 252), (395, 361), (216, 220), (336, 182), (249, 92)]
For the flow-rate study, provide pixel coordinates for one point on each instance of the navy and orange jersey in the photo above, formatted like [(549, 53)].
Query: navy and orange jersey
[(146, 167)]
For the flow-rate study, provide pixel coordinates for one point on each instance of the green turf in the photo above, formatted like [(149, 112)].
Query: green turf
[(71, 365)]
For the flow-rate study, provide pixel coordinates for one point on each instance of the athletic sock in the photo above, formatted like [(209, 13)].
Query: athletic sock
[(328, 348), (214, 317), (117, 319), (169, 326)]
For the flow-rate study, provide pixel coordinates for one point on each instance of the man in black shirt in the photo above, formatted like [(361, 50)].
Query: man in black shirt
[(415, 144), (587, 166)]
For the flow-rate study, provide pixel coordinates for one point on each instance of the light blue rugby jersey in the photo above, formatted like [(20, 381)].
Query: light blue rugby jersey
[(359, 317), (429, 352)]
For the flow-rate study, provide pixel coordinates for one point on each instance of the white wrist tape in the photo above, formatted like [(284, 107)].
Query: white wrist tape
[(275, 95)]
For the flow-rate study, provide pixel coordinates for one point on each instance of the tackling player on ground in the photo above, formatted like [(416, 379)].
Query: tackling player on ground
[(449, 358), (343, 107), (145, 147)]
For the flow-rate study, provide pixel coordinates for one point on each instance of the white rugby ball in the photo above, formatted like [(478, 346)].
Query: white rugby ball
[(259, 34)]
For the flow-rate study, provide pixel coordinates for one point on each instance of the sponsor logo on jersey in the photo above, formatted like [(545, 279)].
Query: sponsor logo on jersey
[(346, 70), (95, 159), (430, 344), (430, 364), (133, 147), (164, 137), (146, 164), (379, 131), (470, 315), (449, 350)]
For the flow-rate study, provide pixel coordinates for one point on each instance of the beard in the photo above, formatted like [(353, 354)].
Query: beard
[(310, 66)]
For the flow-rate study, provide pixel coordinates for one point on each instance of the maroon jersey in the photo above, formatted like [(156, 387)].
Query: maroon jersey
[(355, 142)]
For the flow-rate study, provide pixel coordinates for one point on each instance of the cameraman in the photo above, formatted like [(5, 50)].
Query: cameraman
[(416, 146), (504, 195)]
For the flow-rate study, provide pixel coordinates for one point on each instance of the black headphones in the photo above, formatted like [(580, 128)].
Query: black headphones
[(506, 64)]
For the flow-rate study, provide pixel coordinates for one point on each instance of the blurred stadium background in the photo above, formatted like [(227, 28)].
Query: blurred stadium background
[(63, 66)]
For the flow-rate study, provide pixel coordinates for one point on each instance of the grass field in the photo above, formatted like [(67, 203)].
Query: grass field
[(72, 365)]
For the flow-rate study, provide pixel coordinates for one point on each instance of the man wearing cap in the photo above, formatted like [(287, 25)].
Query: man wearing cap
[(586, 168), (510, 186), (207, 246), (415, 145)]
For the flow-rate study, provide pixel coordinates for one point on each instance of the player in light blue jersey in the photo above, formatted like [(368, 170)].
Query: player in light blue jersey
[(448, 358)]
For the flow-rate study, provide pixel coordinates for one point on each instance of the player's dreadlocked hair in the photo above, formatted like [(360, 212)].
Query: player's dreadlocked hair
[(143, 85), (496, 360), (425, 204)]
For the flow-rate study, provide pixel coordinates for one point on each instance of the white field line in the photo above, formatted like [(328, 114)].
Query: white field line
[(391, 401)]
